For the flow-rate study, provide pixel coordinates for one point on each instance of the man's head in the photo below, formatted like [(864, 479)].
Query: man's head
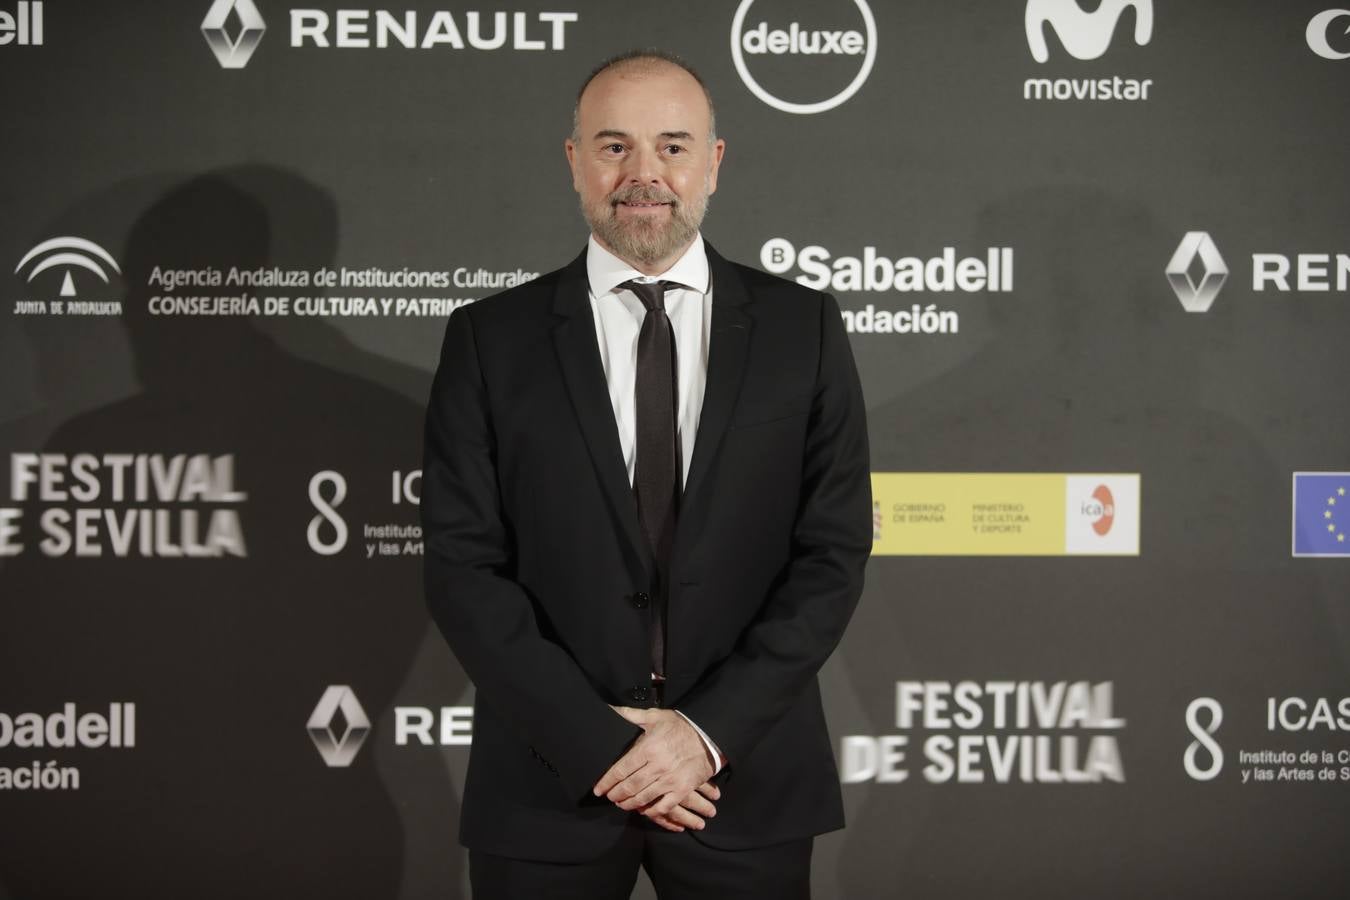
[(644, 156)]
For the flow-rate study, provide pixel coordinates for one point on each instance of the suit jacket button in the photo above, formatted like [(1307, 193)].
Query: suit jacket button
[(639, 693), (640, 600)]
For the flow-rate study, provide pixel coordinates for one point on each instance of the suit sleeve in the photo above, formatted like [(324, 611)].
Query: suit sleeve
[(486, 616), (804, 615)]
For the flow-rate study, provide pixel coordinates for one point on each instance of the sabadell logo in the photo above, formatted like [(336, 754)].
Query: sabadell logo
[(794, 40)]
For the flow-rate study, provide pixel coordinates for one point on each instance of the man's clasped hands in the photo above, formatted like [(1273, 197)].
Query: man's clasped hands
[(664, 775)]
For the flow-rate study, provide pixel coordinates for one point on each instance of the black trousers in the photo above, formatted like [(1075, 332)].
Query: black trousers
[(679, 866)]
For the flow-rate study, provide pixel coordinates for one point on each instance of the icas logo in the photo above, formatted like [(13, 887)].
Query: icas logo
[(759, 41), (67, 254)]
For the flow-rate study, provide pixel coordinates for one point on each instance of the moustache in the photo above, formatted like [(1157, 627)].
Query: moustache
[(639, 194)]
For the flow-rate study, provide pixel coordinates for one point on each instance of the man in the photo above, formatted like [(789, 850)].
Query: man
[(646, 502)]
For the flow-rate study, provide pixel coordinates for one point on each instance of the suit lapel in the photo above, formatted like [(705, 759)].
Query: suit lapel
[(578, 351), (728, 342)]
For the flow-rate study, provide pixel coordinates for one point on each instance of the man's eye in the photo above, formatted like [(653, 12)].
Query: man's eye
[(614, 148), (674, 149)]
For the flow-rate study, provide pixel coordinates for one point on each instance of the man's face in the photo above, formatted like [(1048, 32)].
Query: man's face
[(642, 163)]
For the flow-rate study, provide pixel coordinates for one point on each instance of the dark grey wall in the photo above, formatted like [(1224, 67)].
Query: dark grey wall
[(271, 558)]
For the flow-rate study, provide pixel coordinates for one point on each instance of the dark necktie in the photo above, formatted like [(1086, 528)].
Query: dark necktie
[(656, 478)]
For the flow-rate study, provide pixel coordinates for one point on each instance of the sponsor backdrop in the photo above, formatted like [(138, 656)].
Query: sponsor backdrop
[(1095, 265)]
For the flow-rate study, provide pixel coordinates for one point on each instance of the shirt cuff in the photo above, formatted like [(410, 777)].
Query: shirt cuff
[(707, 742)]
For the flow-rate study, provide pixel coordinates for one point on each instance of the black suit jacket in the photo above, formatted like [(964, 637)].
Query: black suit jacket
[(534, 554)]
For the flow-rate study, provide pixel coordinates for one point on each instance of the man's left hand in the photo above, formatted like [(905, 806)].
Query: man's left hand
[(658, 772)]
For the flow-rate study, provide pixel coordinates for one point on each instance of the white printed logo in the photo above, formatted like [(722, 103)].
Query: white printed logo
[(68, 253), (821, 270), (1101, 515), (1197, 296), (327, 510), (794, 40), (24, 28), (233, 53), (338, 748), (1086, 35), (1203, 739), (1321, 28)]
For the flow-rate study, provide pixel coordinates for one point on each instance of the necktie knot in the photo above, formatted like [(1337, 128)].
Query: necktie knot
[(651, 293)]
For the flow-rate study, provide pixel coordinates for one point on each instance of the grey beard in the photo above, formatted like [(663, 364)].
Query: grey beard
[(641, 241)]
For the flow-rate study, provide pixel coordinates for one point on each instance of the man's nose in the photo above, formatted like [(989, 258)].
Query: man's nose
[(644, 167)]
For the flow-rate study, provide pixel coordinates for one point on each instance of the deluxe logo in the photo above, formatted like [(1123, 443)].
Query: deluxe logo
[(873, 272), (794, 40), (23, 27), (1085, 36), (1322, 27)]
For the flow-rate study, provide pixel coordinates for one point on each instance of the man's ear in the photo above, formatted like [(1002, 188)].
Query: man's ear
[(719, 147), (570, 148)]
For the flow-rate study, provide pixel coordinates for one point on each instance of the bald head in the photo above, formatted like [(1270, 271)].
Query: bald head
[(642, 64)]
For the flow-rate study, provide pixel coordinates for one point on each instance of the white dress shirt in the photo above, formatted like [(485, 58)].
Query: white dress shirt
[(618, 318)]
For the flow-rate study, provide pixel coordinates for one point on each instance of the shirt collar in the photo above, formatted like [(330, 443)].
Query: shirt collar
[(605, 271)]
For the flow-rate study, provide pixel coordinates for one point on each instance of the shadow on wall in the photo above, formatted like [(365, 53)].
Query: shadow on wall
[(224, 795)]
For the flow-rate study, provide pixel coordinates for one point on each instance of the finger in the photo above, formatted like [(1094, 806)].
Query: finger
[(710, 790), (697, 803), (626, 791), (651, 793), (666, 823), (681, 816), (633, 714), (624, 768), (662, 800)]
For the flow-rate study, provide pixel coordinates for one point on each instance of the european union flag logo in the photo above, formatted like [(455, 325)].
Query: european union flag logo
[(1321, 513)]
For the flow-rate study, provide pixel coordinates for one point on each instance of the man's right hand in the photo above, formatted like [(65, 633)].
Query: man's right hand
[(684, 815), (695, 807)]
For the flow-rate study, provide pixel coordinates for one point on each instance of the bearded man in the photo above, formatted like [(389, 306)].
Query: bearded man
[(647, 510)]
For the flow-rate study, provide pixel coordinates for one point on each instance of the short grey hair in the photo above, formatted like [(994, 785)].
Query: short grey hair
[(643, 58)]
